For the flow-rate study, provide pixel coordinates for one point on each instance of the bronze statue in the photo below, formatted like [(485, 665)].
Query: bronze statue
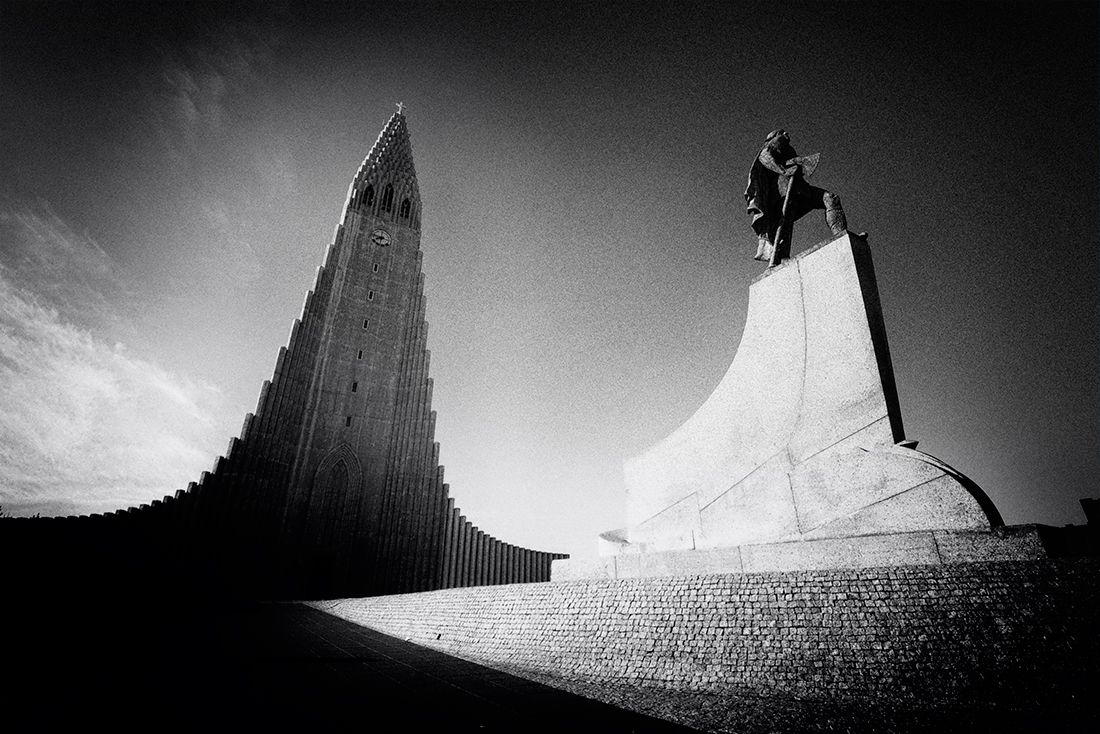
[(778, 195)]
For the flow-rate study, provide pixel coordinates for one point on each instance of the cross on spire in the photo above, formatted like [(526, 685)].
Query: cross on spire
[(400, 107)]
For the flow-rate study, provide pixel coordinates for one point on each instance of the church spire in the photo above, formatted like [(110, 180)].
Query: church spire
[(385, 185)]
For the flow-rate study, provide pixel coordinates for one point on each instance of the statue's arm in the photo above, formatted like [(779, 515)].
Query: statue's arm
[(805, 164), (768, 161)]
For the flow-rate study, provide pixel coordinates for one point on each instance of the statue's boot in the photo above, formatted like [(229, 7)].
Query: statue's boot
[(834, 216), (763, 249)]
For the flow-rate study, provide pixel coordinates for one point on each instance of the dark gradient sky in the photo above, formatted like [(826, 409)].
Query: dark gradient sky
[(171, 174)]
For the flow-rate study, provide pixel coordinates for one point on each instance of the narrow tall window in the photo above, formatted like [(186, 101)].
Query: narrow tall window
[(376, 267), (368, 196), (347, 421), (405, 209), (360, 354), (387, 198), (370, 295), (354, 387), (366, 323)]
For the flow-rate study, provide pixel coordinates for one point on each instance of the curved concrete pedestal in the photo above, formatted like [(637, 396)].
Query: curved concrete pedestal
[(802, 440)]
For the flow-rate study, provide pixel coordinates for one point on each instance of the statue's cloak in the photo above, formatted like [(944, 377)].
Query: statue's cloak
[(765, 192)]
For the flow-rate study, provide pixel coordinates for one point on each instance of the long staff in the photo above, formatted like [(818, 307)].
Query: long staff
[(777, 255)]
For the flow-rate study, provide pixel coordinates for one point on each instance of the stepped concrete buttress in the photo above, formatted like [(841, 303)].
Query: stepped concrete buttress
[(801, 442), (334, 486)]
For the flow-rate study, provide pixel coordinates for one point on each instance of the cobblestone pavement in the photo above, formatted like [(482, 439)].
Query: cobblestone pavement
[(749, 713), (1004, 647)]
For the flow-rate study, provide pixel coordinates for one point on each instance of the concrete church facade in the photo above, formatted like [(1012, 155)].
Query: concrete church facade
[(365, 503), (334, 486)]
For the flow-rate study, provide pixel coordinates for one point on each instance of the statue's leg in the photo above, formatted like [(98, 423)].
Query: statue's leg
[(781, 249), (834, 213), (763, 248), (816, 198)]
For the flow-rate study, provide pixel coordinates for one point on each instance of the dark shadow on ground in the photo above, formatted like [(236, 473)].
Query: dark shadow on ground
[(150, 659)]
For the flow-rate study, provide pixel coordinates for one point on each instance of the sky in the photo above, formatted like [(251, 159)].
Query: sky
[(171, 174)]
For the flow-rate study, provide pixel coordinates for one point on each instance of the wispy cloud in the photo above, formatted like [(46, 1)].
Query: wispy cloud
[(64, 267), (190, 93), (236, 259), (200, 104), (85, 424)]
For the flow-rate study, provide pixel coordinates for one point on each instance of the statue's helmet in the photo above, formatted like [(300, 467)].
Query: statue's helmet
[(775, 134)]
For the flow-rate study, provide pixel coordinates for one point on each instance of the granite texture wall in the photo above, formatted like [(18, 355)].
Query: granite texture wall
[(1009, 633)]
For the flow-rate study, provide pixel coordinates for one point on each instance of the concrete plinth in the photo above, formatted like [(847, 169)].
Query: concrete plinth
[(802, 440)]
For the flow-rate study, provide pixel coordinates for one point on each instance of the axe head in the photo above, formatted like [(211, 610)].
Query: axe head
[(809, 164)]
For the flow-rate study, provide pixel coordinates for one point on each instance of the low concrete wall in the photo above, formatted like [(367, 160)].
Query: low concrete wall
[(1002, 632), (932, 547)]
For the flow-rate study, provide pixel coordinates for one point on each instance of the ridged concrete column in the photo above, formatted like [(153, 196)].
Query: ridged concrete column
[(496, 562), (467, 552), (448, 541), (479, 559)]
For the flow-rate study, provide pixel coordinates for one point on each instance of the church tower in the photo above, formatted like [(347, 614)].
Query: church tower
[(334, 487), (365, 506), (365, 475)]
